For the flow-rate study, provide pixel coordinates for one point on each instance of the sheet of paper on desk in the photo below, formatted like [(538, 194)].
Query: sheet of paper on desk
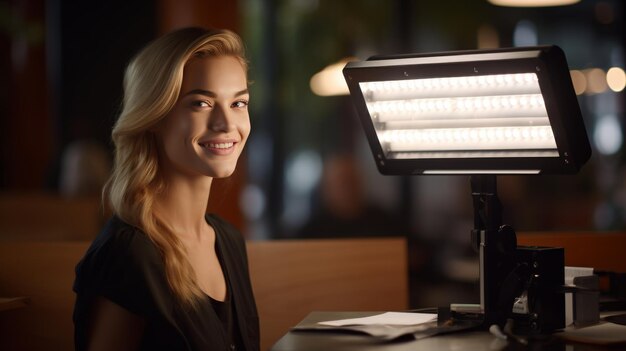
[(387, 318)]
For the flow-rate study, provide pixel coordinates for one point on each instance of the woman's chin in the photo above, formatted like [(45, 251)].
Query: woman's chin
[(221, 173)]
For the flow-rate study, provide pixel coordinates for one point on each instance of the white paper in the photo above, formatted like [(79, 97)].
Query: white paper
[(387, 318)]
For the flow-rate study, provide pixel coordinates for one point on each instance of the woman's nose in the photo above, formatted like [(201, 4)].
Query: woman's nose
[(220, 119)]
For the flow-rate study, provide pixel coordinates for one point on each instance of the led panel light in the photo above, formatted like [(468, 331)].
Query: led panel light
[(505, 111)]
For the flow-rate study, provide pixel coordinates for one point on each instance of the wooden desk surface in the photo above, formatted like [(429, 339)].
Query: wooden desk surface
[(473, 340), (330, 340)]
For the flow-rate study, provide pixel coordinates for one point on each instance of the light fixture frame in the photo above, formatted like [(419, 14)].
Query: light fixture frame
[(548, 62)]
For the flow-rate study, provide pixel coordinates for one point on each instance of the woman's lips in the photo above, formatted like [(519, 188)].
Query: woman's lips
[(219, 148)]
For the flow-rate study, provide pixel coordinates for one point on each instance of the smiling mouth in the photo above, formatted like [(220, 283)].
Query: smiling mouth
[(217, 145)]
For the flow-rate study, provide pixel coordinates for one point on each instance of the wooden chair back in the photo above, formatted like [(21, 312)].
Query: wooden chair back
[(43, 272), (290, 279), (48, 217), (294, 277)]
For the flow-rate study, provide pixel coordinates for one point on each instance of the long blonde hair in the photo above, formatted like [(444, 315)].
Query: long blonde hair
[(152, 84)]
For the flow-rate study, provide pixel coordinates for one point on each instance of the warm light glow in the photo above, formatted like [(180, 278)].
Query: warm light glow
[(330, 81), (532, 3), (596, 81), (579, 81), (616, 79)]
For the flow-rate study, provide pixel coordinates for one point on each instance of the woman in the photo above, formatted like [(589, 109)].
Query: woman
[(163, 275)]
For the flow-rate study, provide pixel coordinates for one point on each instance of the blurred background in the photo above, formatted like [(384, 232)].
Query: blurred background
[(308, 171)]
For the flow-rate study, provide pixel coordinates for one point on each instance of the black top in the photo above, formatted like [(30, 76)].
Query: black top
[(224, 312), (124, 266)]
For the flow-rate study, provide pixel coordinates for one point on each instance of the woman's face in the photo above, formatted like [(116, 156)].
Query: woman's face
[(207, 129)]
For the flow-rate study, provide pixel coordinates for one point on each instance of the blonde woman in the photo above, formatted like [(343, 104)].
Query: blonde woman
[(163, 275)]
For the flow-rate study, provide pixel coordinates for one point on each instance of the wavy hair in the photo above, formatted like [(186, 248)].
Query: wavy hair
[(152, 83)]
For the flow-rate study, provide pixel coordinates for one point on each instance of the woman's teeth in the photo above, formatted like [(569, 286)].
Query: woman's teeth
[(218, 145)]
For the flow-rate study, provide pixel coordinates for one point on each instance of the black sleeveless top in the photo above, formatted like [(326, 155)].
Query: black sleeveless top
[(125, 267), (224, 311)]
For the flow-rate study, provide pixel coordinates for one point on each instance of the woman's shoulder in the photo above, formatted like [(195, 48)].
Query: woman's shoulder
[(121, 238), (123, 265), (119, 246)]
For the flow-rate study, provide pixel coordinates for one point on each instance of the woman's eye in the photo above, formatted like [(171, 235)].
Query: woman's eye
[(240, 104), (200, 103)]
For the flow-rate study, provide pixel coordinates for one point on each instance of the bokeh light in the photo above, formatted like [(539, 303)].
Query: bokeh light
[(607, 135), (579, 81), (330, 81), (596, 81), (616, 79)]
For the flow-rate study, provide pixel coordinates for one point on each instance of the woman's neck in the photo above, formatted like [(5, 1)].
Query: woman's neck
[(182, 205)]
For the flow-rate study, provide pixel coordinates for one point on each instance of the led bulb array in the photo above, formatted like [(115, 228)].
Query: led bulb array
[(502, 138), (497, 84), (531, 105), (477, 114)]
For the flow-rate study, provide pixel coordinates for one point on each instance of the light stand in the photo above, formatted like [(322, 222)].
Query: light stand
[(480, 113), (496, 244)]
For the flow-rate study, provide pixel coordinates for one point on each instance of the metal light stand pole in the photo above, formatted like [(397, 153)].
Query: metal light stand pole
[(496, 244)]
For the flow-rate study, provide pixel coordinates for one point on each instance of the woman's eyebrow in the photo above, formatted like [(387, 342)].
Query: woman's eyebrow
[(211, 94)]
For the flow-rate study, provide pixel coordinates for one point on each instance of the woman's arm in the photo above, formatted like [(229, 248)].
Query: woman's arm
[(112, 327)]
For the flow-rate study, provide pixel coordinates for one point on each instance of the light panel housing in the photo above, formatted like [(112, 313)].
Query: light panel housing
[(503, 111)]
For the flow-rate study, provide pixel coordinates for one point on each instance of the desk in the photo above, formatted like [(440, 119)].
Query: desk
[(474, 340)]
